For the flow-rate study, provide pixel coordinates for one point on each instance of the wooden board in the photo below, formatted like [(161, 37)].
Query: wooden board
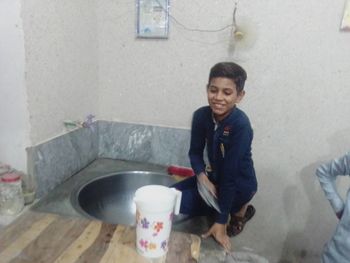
[(41, 237)]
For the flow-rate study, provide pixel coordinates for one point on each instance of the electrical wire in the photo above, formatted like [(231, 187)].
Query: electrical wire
[(232, 26)]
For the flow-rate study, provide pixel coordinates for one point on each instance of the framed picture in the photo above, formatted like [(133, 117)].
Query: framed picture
[(152, 18)]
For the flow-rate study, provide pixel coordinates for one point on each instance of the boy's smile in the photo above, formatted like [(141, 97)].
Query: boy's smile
[(222, 96)]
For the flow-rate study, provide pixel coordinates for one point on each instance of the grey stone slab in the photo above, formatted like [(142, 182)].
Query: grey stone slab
[(170, 146), (144, 143), (125, 141), (54, 161)]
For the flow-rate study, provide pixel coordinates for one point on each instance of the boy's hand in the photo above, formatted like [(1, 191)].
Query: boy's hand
[(204, 180), (218, 231)]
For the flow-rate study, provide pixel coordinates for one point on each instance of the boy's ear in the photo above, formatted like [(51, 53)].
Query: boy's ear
[(241, 95)]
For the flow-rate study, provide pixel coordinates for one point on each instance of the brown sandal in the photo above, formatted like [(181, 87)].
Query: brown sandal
[(237, 223)]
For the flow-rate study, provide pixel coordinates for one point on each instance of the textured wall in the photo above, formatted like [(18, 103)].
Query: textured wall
[(61, 63), (14, 125)]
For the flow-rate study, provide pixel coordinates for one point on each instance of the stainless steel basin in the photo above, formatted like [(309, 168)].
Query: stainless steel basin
[(110, 198)]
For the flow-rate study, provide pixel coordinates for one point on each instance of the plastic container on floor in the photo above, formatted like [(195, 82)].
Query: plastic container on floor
[(11, 196)]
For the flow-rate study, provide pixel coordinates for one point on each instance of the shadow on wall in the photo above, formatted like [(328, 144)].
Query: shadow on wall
[(321, 221), (339, 144), (304, 244)]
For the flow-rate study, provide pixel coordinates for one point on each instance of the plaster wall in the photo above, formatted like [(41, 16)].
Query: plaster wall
[(61, 64), (14, 125), (296, 96)]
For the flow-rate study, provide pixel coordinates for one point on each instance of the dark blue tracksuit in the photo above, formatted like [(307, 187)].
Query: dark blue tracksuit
[(228, 145)]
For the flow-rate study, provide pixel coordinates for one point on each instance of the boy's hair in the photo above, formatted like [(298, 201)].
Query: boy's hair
[(229, 70)]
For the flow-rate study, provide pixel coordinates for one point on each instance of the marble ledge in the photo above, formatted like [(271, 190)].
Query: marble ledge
[(56, 160)]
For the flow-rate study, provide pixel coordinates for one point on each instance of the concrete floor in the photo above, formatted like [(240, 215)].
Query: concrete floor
[(212, 252)]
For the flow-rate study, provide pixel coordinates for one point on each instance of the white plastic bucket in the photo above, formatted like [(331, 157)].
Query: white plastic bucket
[(155, 208)]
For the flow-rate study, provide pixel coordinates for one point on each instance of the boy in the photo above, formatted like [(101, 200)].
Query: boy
[(226, 133), (338, 248)]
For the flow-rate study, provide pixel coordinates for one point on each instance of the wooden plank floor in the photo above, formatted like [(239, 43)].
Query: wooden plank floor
[(41, 237)]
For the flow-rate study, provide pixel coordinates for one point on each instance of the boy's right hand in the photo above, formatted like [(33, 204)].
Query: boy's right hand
[(218, 231), (204, 180)]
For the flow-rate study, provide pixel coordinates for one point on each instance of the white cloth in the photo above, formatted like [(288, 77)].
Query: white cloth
[(337, 250)]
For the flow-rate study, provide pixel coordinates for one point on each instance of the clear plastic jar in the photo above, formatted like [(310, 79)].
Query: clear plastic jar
[(11, 196)]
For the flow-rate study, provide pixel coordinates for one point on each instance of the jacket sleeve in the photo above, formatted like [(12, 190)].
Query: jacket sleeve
[(197, 144), (241, 144), (327, 174)]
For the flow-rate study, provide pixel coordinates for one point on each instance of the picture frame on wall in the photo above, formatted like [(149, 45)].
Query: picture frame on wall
[(152, 18)]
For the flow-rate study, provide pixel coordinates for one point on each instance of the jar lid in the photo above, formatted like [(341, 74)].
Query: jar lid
[(10, 177)]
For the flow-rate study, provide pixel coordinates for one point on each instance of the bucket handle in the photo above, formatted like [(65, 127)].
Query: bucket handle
[(178, 200)]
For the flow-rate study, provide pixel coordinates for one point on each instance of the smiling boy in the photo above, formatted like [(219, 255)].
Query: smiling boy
[(226, 133)]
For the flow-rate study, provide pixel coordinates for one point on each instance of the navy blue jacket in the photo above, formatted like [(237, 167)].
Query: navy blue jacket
[(228, 145)]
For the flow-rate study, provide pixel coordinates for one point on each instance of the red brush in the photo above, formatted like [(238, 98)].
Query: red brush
[(180, 170)]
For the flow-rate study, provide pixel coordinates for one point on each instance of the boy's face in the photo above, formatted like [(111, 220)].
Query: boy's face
[(222, 96)]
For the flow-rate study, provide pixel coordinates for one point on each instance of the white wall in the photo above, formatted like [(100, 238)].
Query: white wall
[(14, 125), (48, 71), (163, 80), (61, 64), (297, 96)]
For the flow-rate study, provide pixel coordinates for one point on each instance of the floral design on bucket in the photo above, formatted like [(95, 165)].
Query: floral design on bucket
[(144, 244), (157, 226), (145, 223), (152, 246)]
